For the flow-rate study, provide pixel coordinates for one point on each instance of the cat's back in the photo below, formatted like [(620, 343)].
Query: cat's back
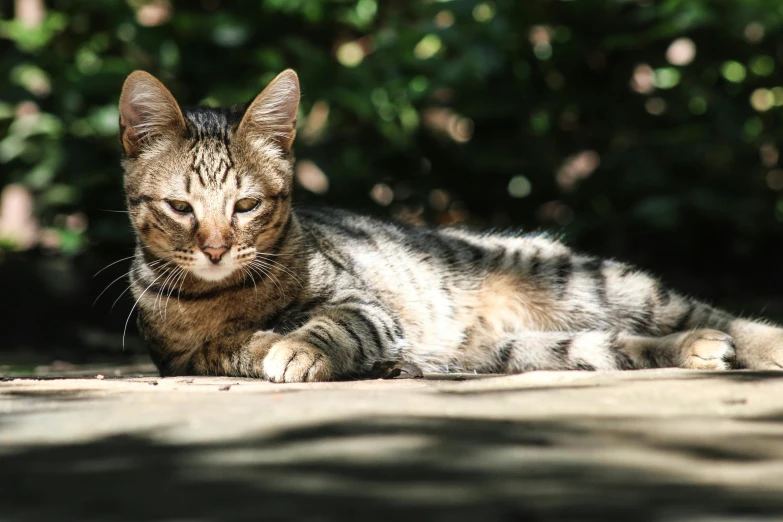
[(454, 247), (447, 249)]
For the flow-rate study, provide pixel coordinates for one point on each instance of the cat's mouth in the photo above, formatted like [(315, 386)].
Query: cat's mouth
[(207, 268), (214, 272)]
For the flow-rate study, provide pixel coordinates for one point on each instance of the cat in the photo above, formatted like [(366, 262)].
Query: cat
[(230, 280)]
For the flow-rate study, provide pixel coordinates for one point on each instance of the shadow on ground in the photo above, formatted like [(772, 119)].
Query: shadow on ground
[(371, 469)]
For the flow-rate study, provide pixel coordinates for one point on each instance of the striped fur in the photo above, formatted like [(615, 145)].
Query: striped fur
[(320, 295)]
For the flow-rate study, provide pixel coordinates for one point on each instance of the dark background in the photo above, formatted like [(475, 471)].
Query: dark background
[(594, 120)]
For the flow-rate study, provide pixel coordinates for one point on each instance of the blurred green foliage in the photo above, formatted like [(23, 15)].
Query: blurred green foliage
[(643, 129)]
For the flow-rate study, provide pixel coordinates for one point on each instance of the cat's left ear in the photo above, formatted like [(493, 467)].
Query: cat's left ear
[(272, 115)]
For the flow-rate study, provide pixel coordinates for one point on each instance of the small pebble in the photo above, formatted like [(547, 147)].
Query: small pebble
[(225, 387), (100, 377)]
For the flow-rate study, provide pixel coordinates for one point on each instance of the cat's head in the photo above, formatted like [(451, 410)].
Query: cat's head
[(208, 188)]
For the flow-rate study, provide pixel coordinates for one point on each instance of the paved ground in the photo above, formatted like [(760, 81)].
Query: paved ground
[(651, 445)]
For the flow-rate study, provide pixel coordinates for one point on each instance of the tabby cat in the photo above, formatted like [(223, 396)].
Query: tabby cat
[(230, 280)]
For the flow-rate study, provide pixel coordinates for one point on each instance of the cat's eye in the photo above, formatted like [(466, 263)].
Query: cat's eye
[(245, 205), (180, 206)]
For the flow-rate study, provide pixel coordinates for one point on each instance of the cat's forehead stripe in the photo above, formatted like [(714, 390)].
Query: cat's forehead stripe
[(207, 122)]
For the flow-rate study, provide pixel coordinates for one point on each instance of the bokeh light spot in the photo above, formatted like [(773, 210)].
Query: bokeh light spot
[(643, 79), (762, 99), (682, 51), (762, 65), (519, 187), (733, 71), (484, 12), (655, 106), (311, 177), (775, 179), (666, 77), (350, 54), (697, 105), (754, 32), (427, 47), (382, 194), (444, 19)]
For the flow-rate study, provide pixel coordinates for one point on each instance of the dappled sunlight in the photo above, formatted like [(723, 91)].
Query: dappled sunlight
[(425, 468)]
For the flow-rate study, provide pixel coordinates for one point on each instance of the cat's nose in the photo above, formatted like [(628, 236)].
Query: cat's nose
[(214, 253)]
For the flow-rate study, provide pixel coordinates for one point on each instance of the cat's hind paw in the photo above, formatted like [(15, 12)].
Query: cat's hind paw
[(293, 360)]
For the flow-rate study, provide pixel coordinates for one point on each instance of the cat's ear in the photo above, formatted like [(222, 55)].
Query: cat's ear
[(272, 115), (148, 112)]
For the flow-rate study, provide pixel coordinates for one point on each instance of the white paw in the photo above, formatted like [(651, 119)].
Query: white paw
[(708, 350), (291, 360)]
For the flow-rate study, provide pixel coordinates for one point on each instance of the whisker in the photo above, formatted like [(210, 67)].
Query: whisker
[(253, 279), (109, 285), (126, 289), (271, 276), (171, 289), (134, 307), (260, 272), (298, 253), (269, 268), (159, 297), (286, 270), (179, 292), (112, 264), (123, 275)]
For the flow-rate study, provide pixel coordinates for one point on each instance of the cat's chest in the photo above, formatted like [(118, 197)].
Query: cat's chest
[(202, 318)]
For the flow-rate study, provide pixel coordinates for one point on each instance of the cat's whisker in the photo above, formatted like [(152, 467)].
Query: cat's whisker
[(159, 298), (269, 268), (126, 289), (110, 284), (179, 292), (252, 279), (126, 274), (112, 264), (179, 271), (286, 270), (272, 277), (134, 307), (298, 253), (261, 273)]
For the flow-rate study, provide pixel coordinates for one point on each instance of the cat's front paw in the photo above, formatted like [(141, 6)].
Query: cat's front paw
[(292, 360), (706, 349)]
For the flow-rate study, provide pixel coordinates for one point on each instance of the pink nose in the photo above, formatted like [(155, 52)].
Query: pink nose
[(214, 253)]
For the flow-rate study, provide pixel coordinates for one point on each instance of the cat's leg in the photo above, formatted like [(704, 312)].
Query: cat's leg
[(567, 291), (759, 345), (337, 342), (238, 354), (594, 350)]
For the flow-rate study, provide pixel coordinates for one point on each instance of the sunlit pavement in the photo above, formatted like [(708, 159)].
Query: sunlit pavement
[(648, 445)]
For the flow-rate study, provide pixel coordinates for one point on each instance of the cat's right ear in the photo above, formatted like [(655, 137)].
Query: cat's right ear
[(148, 112)]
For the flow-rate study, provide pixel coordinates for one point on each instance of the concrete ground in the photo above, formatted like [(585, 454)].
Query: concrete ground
[(663, 445)]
